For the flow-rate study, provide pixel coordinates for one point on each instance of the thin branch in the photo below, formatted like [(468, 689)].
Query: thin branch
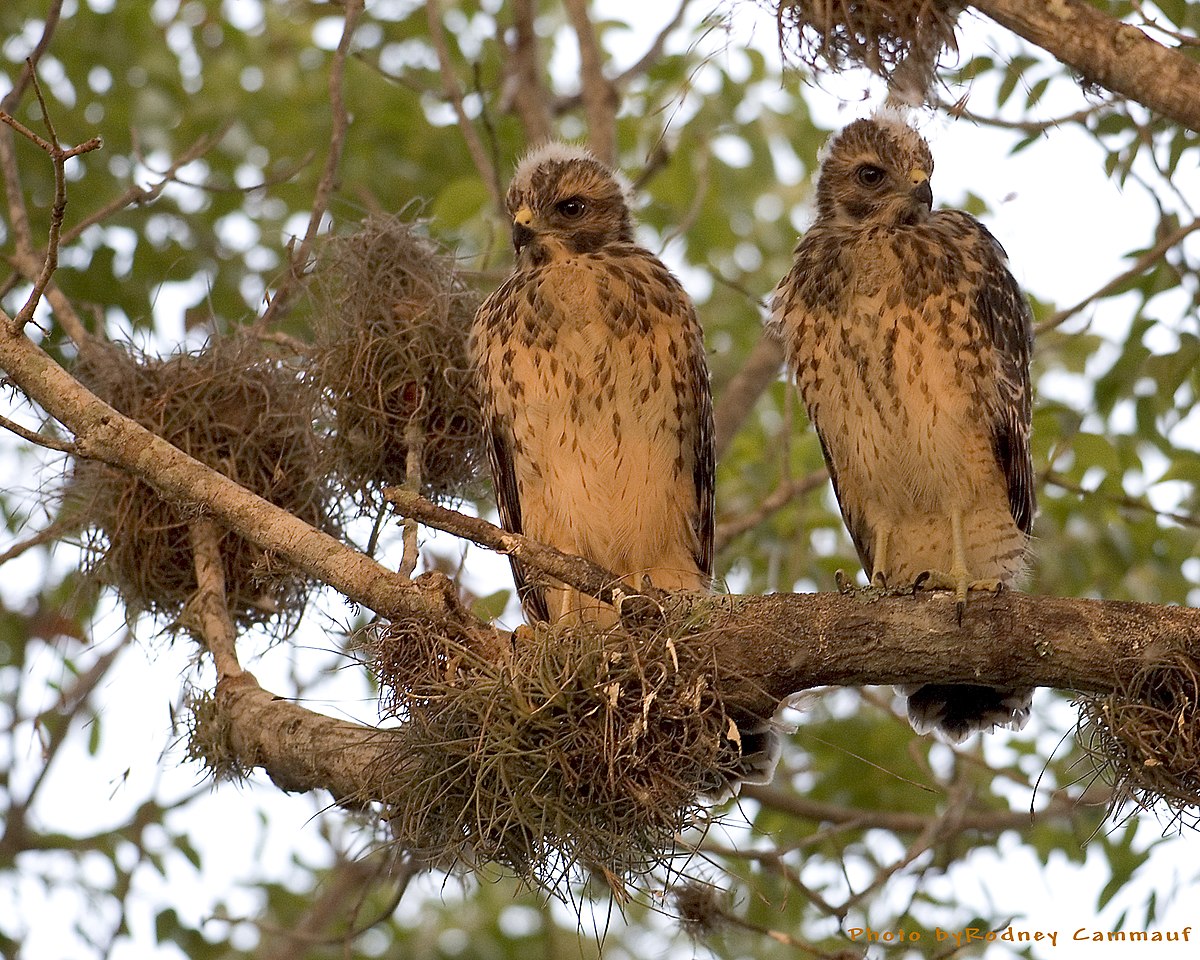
[(414, 438), (1183, 39), (959, 110), (1140, 266), (18, 213), (299, 258), (600, 100), (1107, 52), (574, 571), (55, 531), (655, 51), (789, 489), (209, 607), (1134, 503), (453, 92), (138, 195), (528, 93), (50, 443), (59, 158), (741, 393)]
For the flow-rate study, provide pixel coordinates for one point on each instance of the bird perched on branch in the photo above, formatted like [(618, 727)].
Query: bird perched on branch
[(590, 364), (595, 389), (910, 342)]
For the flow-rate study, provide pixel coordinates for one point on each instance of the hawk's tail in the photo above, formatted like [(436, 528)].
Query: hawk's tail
[(960, 709), (760, 744)]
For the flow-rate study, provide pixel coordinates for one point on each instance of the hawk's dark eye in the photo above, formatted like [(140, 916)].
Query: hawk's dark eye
[(870, 176), (572, 208)]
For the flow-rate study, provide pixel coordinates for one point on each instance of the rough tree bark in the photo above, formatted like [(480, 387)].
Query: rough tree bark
[(1106, 51)]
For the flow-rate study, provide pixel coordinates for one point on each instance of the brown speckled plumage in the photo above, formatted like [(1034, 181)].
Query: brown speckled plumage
[(909, 341), (596, 398)]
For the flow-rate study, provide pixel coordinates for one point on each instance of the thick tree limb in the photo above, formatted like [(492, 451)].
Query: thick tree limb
[(1106, 51), (104, 434), (301, 750), (765, 648)]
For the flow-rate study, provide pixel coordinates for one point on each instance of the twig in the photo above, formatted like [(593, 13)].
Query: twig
[(599, 96), (1183, 519), (17, 212), (948, 824), (209, 606), (654, 51), (789, 489), (453, 92), (298, 259), (1106, 51), (576, 572), (50, 443), (59, 158), (959, 111), (56, 531), (743, 390), (137, 195), (1184, 39), (1141, 265), (414, 439)]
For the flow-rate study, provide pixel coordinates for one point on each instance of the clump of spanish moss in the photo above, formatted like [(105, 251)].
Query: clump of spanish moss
[(1145, 738), (701, 908), (880, 35), (207, 736), (237, 410), (574, 749), (393, 317)]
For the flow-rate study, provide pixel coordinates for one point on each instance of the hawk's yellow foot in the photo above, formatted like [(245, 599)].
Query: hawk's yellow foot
[(961, 584)]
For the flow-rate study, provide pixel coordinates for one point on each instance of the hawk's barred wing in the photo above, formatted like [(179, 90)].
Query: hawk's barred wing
[(500, 448), (1006, 319)]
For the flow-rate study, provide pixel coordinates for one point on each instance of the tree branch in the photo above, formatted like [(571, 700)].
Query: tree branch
[(1106, 51), (1140, 266), (599, 95), (529, 94), (209, 606), (32, 436), (453, 92), (298, 261), (104, 434), (743, 390), (764, 648), (574, 571)]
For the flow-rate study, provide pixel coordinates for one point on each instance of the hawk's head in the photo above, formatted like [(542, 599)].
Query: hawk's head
[(876, 173), (562, 200)]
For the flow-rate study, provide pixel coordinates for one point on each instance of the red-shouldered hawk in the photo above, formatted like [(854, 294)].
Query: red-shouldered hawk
[(595, 390), (910, 341), (591, 367)]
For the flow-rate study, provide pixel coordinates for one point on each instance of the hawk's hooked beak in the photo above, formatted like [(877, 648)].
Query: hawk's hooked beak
[(522, 232), (922, 192)]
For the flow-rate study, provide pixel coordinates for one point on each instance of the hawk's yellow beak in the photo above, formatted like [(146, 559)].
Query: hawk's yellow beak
[(921, 190), (522, 232)]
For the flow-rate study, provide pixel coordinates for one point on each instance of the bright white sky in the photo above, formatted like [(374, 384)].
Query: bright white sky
[(1067, 229)]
